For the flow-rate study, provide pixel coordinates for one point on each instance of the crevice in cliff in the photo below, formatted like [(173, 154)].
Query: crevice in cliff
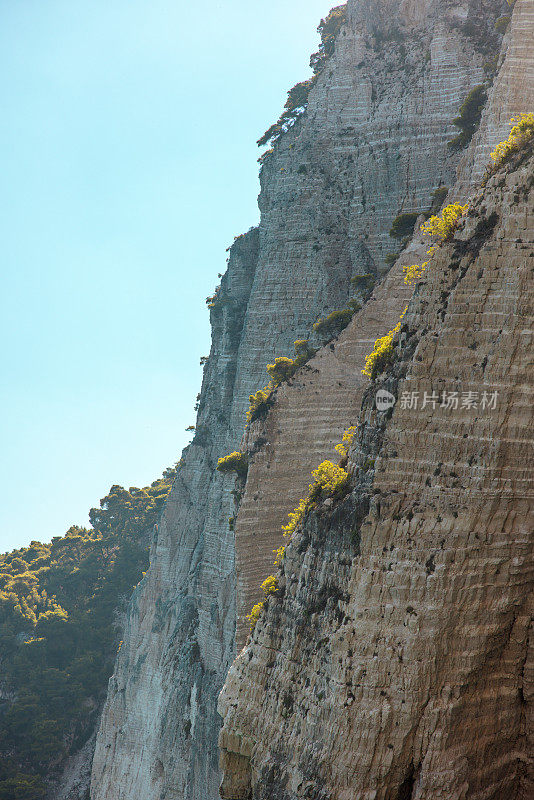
[(407, 787)]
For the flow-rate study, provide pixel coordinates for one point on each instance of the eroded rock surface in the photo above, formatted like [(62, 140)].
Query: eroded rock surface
[(396, 659)]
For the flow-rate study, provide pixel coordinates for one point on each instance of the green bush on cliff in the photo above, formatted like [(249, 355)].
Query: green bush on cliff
[(403, 225), (334, 323), (297, 99), (58, 633), (328, 29), (469, 117)]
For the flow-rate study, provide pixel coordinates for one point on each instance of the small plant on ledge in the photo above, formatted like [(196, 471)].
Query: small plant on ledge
[(281, 371), (254, 615), (343, 447)]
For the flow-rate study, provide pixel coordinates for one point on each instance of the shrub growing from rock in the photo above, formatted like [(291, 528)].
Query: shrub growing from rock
[(469, 117), (334, 323), (343, 447), (403, 225), (282, 370), (329, 481), (254, 615), (269, 585), (521, 133), (383, 353), (234, 462), (443, 226)]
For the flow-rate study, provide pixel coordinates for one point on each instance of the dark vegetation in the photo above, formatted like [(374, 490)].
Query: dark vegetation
[(59, 605), (501, 26), (469, 117), (332, 325), (297, 99), (403, 225)]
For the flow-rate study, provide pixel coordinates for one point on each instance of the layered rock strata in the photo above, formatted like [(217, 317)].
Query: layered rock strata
[(309, 417), (396, 659), (373, 143)]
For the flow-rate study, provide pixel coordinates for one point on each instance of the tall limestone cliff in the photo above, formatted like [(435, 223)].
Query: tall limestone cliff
[(312, 411), (395, 661), (372, 144)]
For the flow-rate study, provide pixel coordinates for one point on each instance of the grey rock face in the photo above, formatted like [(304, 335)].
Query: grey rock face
[(372, 144)]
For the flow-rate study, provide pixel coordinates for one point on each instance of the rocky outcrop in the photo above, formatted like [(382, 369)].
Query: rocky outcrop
[(396, 659), (372, 143), (76, 777)]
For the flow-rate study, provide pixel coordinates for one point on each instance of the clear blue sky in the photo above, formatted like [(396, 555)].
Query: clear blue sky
[(128, 162)]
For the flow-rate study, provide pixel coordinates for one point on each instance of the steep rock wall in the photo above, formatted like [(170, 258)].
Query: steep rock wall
[(310, 415), (372, 144), (396, 658)]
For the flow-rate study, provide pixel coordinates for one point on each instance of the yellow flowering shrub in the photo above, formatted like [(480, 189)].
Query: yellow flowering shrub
[(343, 447), (382, 354), (295, 517), (269, 585), (254, 615), (234, 462), (282, 370), (257, 401), (280, 553), (414, 273), (445, 224), (522, 131), (442, 226), (329, 479)]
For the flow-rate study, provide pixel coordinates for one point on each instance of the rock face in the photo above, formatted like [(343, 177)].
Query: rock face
[(396, 659), (372, 144), (308, 419), (329, 391), (512, 93)]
